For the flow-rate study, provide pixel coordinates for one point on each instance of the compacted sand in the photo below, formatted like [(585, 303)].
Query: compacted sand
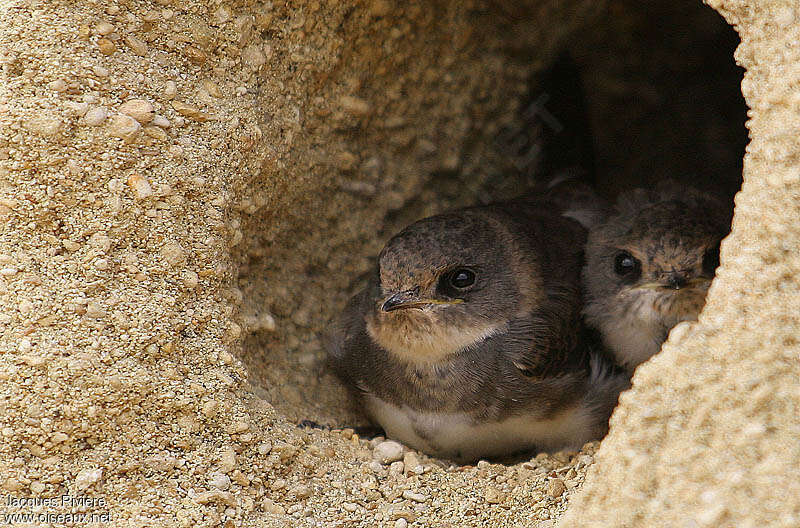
[(190, 190)]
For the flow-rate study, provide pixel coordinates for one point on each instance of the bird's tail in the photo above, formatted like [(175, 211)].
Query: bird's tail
[(606, 382)]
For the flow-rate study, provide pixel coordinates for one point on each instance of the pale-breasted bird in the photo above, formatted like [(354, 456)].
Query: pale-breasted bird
[(649, 266), (467, 341)]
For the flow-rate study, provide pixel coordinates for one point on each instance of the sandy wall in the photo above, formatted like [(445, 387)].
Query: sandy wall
[(187, 190)]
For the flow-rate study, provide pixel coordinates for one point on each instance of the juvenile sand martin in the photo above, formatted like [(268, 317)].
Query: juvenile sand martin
[(467, 341), (649, 267)]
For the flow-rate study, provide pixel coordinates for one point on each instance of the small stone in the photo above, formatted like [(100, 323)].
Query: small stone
[(100, 242), (190, 279), (355, 105), (220, 481), (192, 112), (57, 86), (264, 448), (556, 487), (350, 507), (253, 57), (412, 464), (138, 47), (100, 71), (87, 478), (104, 28), (414, 496), (388, 451), (45, 125), (174, 254), (107, 47), (396, 467), (94, 310), (12, 484), (77, 108), (212, 88), (155, 133), (170, 90), (209, 408), (400, 523), (493, 495), (140, 186), (227, 460), (300, 492), (95, 116), (160, 121), (59, 437), (9, 271), (269, 506), (34, 361), (224, 497), (37, 487), (124, 127), (139, 109), (24, 346)]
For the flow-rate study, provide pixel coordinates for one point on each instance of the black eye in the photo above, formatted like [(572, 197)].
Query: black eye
[(462, 278), (711, 260), (628, 266)]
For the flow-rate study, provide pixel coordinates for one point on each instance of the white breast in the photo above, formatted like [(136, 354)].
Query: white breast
[(457, 437)]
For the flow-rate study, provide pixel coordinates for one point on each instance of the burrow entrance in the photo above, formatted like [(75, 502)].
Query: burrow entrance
[(662, 101)]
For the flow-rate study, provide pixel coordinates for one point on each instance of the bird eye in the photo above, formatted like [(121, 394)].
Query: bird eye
[(462, 278), (628, 266), (711, 260)]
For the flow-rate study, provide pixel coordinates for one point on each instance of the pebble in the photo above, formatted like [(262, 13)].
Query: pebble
[(138, 47), (124, 127), (269, 506), (414, 496), (300, 491), (191, 280), (350, 507), (46, 125), (87, 478), (24, 346), (94, 310), (170, 89), (140, 186), (401, 523), (388, 451), (556, 487), (77, 108), (95, 116), (104, 28), (412, 464), (174, 254), (160, 121), (57, 86), (139, 109), (220, 481), (107, 47), (493, 495), (192, 112)]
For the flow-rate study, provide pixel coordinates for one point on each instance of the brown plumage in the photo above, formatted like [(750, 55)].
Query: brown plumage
[(649, 266), (467, 341)]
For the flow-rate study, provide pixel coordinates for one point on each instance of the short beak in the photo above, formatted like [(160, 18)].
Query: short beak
[(411, 299)]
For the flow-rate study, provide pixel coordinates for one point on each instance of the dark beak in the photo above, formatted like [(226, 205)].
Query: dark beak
[(676, 281), (404, 299)]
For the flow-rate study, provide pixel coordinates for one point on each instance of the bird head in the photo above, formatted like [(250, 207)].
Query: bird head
[(655, 259), (444, 283)]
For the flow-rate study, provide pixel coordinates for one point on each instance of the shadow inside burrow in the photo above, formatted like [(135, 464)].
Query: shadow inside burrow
[(662, 100)]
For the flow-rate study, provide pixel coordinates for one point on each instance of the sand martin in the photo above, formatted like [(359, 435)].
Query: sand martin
[(467, 341), (649, 266)]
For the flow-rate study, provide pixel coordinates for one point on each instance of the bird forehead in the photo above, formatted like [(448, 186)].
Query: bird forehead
[(418, 253)]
